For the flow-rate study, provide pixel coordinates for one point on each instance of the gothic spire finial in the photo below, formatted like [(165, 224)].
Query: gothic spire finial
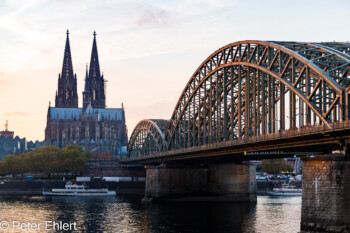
[(67, 33), (94, 34)]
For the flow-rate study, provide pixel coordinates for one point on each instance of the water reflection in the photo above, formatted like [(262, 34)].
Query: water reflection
[(127, 214), (197, 217), (276, 214)]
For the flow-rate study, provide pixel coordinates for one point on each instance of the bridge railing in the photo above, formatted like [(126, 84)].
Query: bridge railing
[(302, 131)]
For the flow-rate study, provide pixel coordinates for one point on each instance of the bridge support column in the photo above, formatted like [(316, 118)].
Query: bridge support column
[(326, 194), (234, 182), (221, 183)]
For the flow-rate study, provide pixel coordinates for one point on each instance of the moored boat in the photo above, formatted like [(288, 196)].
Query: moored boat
[(78, 190), (286, 190)]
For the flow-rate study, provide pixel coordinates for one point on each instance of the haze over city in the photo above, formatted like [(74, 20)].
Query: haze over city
[(148, 50)]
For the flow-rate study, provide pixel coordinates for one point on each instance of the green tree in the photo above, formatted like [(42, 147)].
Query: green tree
[(22, 165), (10, 164), (88, 155), (73, 159), (288, 169), (47, 159), (275, 166), (2, 169)]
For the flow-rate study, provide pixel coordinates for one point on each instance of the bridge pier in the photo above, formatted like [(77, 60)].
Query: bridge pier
[(221, 183), (326, 194)]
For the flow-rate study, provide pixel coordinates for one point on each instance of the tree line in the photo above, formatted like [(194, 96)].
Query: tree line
[(47, 159), (275, 166)]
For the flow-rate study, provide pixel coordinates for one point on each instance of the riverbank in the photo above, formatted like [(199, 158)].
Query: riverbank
[(35, 187)]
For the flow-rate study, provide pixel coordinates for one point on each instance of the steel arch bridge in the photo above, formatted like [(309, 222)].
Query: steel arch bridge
[(253, 88), (148, 137)]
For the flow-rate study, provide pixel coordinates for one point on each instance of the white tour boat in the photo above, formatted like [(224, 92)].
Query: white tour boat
[(286, 190), (78, 190)]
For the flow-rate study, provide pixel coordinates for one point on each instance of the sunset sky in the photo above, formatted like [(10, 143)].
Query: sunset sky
[(148, 50)]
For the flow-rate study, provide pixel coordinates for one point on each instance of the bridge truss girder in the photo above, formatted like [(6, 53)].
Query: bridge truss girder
[(147, 137), (236, 92)]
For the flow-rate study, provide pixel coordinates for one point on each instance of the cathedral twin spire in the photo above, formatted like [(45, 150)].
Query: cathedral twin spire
[(67, 68), (66, 95), (94, 91)]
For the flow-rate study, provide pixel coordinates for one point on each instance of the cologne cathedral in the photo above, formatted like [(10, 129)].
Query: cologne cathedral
[(95, 127)]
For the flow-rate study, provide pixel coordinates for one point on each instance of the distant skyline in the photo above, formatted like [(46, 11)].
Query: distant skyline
[(148, 50)]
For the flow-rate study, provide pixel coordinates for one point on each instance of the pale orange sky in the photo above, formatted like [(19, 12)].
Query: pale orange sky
[(148, 50)]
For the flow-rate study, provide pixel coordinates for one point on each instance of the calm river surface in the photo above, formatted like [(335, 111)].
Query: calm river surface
[(127, 214)]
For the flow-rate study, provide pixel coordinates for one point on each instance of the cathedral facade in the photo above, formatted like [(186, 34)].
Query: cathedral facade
[(95, 127)]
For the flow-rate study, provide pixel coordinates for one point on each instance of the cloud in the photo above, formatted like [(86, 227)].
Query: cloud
[(21, 114), (152, 16)]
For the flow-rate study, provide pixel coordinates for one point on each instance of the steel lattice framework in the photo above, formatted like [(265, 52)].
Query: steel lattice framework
[(252, 88), (148, 137)]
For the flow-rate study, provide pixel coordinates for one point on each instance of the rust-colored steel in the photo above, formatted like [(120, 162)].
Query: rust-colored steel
[(243, 90)]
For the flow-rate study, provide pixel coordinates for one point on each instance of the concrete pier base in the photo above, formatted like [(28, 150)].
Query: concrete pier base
[(326, 194), (219, 183)]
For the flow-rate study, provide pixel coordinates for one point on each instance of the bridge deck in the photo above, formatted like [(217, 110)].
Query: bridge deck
[(308, 138)]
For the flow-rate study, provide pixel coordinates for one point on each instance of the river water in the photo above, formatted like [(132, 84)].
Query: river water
[(127, 214)]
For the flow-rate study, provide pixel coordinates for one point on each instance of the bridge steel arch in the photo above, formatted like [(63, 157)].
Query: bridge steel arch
[(148, 137), (252, 88)]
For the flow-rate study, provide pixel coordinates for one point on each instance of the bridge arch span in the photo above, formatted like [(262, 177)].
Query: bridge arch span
[(148, 137), (251, 88)]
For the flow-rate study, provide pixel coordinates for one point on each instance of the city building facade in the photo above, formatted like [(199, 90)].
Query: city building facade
[(10, 144)]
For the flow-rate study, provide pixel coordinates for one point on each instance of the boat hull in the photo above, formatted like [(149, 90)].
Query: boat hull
[(284, 194), (85, 194)]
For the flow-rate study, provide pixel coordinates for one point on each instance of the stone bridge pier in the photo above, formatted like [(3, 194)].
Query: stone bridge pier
[(221, 183), (326, 194)]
